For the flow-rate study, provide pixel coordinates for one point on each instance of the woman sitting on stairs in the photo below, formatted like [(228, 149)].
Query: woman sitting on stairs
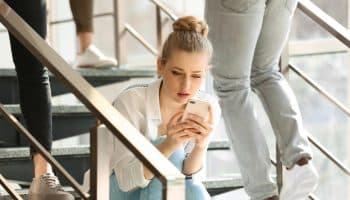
[(156, 109)]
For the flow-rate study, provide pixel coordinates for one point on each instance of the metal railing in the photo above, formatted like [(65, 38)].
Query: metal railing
[(343, 35), (98, 105)]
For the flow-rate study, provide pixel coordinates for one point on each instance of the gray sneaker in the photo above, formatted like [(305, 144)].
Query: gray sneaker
[(48, 187)]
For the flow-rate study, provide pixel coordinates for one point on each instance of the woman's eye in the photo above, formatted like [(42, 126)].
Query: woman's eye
[(196, 76), (176, 73)]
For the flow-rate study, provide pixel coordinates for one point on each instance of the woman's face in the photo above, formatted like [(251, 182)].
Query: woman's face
[(183, 74)]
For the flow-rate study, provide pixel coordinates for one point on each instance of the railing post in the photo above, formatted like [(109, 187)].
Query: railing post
[(174, 190), (159, 28), (9, 189), (279, 170), (100, 171), (119, 32)]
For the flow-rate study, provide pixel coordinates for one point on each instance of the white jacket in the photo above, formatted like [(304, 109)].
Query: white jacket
[(140, 105)]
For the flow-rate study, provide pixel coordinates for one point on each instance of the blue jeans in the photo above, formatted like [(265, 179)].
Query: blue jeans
[(248, 37), (194, 189)]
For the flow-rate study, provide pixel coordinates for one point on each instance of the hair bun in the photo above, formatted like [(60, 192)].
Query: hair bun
[(190, 23)]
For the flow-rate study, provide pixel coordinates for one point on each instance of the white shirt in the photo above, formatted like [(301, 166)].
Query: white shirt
[(140, 105)]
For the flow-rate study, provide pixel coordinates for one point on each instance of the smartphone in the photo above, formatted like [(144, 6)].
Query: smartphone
[(197, 107)]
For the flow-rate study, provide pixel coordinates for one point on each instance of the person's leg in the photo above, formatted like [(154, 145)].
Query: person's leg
[(33, 81), (35, 100), (195, 190), (82, 15), (234, 29), (116, 193), (278, 99), (280, 103), (88, 55)]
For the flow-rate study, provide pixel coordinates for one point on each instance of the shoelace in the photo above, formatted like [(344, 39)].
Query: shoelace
[(50, 180)]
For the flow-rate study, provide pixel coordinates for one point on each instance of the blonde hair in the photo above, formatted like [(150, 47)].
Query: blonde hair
[(190, 35)]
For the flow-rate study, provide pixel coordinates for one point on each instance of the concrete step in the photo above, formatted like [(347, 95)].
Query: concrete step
[(96, 77), (68, 120), (15, 162), (214, 185)]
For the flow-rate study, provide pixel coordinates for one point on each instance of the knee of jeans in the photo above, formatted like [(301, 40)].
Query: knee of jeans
[(34, 76), (265, 77), (195, 191), (227, 85), (239, 6)]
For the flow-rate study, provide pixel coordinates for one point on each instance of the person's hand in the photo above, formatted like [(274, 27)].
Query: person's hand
[(177, 132), (199, 129)]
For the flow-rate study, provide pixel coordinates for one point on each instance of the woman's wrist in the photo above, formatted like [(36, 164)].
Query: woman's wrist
[(201, 145)]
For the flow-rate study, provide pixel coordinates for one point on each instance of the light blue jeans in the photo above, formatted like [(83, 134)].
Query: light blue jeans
[(248, 37), (194, 189)]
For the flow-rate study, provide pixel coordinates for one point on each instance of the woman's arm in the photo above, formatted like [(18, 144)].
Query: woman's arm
[(194, 161), (201, 130)]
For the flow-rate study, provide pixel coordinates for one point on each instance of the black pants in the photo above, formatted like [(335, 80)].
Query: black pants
[(33, 79)]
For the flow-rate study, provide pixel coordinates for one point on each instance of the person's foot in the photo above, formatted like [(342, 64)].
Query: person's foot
[(92, 57), (275, 197), (299, 181), (47, 187)]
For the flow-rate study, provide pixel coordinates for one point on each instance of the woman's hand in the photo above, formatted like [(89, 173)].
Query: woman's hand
[(177, 132), (199, 129)]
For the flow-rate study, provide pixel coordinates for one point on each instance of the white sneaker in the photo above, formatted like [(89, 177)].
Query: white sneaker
[(94, 58), (299, 182)]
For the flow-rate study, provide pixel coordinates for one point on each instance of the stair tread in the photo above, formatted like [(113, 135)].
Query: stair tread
[(56, 109), (233, 181), (23, 152), (147, 71)]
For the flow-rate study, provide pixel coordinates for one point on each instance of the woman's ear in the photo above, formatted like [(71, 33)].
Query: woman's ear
[(160, 66)]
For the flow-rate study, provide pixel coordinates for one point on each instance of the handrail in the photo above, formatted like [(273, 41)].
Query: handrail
[(19, 127), (94, 101), (325, 21), (317, 87), (70, 20), (9, 189), (165, 9), (142, 40), (335, 102), (329, 155)]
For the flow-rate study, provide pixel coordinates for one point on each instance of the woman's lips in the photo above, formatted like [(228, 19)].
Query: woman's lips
[(183, 94)]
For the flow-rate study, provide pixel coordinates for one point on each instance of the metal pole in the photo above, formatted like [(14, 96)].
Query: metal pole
[(116, 32), (159, 28), (9, 189)]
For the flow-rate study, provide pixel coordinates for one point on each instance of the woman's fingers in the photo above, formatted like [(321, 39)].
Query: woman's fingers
[(200, 126), (175, 118)]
